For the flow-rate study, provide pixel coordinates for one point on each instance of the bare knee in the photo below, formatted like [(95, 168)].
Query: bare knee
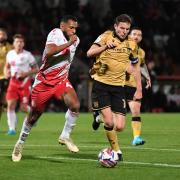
[(75, 106), (108, 120), (119, 122), (120, 127)]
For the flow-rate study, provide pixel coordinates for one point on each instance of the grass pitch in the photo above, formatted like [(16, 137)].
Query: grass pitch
[(44, 158)]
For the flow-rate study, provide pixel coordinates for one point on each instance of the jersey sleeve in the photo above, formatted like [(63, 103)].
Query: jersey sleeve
[(102, 39), (142, 55), (134, 47), (55, 37)]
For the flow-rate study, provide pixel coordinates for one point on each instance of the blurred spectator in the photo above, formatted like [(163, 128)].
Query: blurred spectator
[(159, 100), (173, 98)]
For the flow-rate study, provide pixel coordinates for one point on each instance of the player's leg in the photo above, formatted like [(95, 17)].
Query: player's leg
[(101, 101), (71, 100), (11, 116), (119, 121), (118, 106), (40, 95), (136, 123)]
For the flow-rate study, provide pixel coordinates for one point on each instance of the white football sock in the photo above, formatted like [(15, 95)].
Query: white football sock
[(69, 124), (24, 132), (12, 119)]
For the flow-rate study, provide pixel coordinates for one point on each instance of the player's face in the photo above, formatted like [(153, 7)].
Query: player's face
[(122, 29), (69, 28), (3, 36), (18, 44), (136, 35)]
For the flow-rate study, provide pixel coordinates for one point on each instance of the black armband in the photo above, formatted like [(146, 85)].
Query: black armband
[(134, 60)]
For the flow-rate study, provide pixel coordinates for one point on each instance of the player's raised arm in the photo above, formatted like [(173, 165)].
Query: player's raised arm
[(52, 49), (101, 44), (95, 50)]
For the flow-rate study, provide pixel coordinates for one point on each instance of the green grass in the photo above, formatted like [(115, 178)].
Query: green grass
[(44, 158)]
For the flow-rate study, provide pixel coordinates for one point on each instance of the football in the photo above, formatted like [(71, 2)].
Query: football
[(106, 158)]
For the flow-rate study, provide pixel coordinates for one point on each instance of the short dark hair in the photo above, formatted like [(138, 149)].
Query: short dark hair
[(136, 28), (18, 36), (123, 18), (66, 18), (3, 30)]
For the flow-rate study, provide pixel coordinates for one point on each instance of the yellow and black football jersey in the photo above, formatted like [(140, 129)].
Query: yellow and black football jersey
[(111, 64), (3, 52), (130, 81)]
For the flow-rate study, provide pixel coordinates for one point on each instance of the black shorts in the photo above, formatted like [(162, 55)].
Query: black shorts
[(129, 92), (104, 95), (3, 86)]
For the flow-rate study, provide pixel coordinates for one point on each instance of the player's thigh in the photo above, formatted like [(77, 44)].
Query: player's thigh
[(40, 96), (71, 100), (100, 96), (119, 121), (66, 92)]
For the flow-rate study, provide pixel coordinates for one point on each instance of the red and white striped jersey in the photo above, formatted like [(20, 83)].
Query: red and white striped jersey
[(21, 62), (56, 68)]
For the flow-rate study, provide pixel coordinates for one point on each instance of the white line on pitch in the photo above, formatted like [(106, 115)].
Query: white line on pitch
[(95, 160), (95, 146), (124, 162)]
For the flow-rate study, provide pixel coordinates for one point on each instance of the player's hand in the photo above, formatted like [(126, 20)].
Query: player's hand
[(148, 83), (72, 39), (137, 95), (110, 45)]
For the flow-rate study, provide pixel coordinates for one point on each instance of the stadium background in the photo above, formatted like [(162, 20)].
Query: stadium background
[(159, 21)]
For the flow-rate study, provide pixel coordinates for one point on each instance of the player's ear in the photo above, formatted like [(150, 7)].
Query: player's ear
[(62, 25)]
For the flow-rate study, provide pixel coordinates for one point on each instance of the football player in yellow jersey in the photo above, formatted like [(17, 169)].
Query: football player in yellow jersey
[(5, 47), (130, 88), (113, 50)]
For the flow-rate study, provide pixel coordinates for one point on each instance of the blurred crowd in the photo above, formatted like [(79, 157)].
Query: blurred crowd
[(157, 18)]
